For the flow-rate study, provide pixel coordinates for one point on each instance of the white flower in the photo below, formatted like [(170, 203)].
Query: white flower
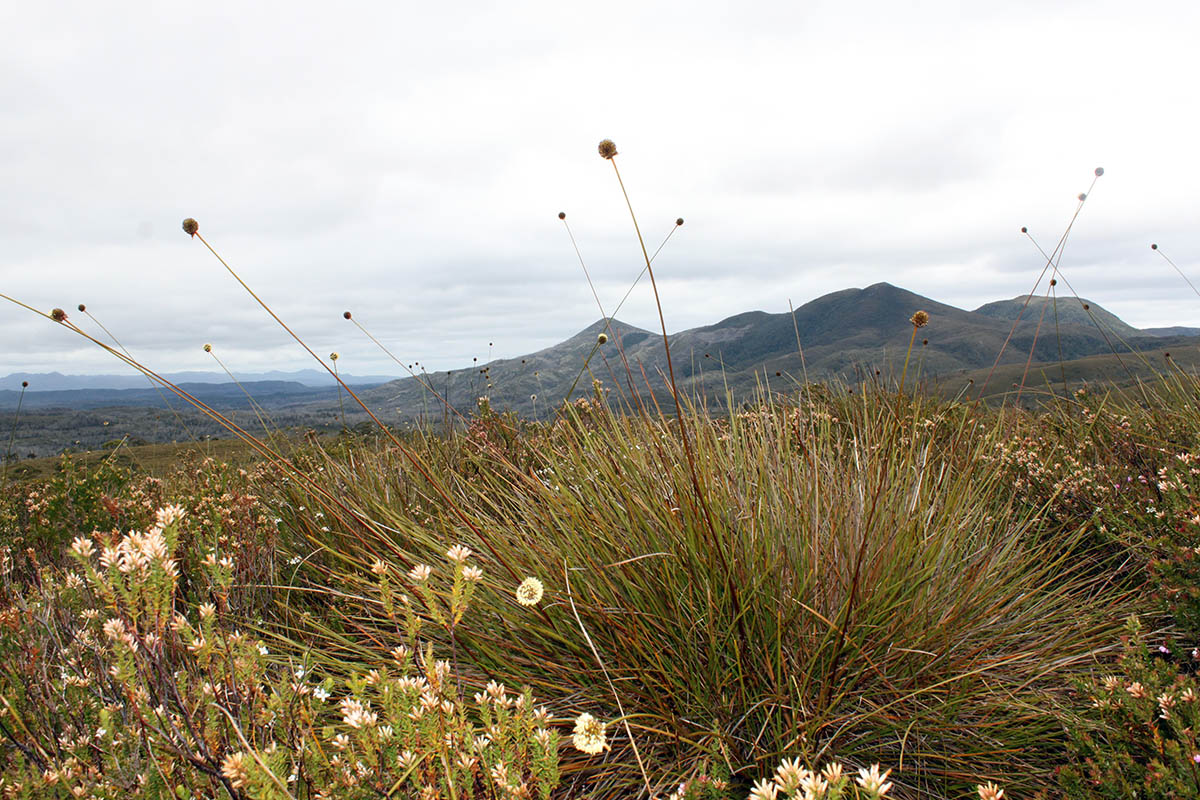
[(420, 573), (764, 790), (589, 736), (529, 593), (321, 693), (873, 782), (458, 553)]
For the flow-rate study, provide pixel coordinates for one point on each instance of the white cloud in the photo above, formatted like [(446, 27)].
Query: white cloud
[(407, 162)]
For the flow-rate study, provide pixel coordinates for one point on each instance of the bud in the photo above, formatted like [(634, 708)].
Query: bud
[(1024, 229), (333, 356), (1153, 247), (190, 226), (1082, 196), (602, 338)]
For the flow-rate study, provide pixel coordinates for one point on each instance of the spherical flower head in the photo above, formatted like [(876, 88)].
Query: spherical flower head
[(82, 308), (190, 226), (1082, 196), (58, 315), (24, 384), (679, 222), (562, 215), (346, 315), (607, 149), (333, 356), (589, 736), (919, 319), (529, 593), (602, 338), (1099, 171), (208, 348)]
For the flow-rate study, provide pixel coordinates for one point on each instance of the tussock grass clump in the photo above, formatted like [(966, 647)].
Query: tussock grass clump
[(865, 586)]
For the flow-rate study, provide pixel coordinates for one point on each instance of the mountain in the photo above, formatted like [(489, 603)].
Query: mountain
[(56, 381), (845, 335), (1068, 310), (848, 336)]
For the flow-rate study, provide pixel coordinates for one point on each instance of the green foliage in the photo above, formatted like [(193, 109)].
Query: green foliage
[(1140, 740)]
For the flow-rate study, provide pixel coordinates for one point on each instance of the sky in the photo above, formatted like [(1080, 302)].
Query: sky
[(408, 161)]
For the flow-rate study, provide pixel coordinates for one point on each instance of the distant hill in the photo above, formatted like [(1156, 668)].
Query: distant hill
[(1068, 310), (845, 335), (1176, 330), (56, 381)]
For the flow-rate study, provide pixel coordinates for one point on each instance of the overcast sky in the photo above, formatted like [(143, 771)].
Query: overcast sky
[(407, 161)]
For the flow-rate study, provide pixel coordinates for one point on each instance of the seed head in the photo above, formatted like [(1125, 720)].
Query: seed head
[(1082, 196), (333, 356), (589, 735), (1086, 307), (562, 215), (190, 226), (1099, 171), (24, 384), (602, 338), (607, 149), (58, 315), (208, 348), (920, 319), (1054, 281), (1024, 229), (1153, 247), (924, 342), (679, 221), (529, 593), (82, 308), (345, 315)]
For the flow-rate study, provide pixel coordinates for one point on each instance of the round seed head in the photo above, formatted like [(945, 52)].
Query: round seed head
[(1082, 196), (82, 308), (190, 226), (679, 221), (924, 342), (920, 319), (1024, 229), (333, 356), (1099, 171), (24, 384), (208, 348), (602, 338), (58, 315), (1054, 281), (1086, 307), (1166, 355), (607, 149), (562, 215), (1153, 247), (346, 315)]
